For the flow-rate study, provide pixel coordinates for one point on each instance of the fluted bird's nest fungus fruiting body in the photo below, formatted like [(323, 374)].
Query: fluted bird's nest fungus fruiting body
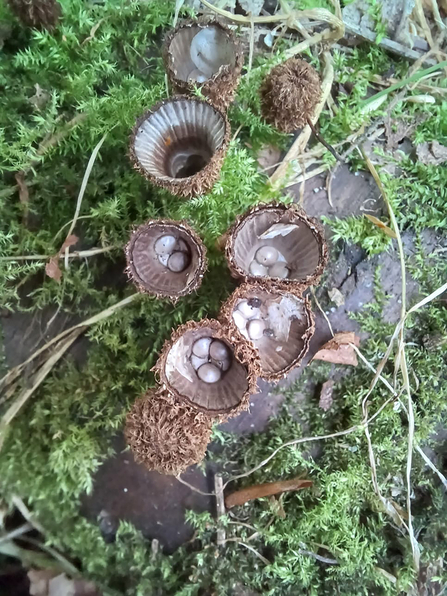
[(164, 435), (277, 242), (166, 258), (180, 145), (204, 53), (278, 323), (290, 94), (203, 368)]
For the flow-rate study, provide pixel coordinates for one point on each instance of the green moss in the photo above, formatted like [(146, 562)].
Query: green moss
[(64, 434)]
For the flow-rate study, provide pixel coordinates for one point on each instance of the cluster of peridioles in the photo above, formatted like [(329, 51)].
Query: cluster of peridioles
[(208, 370)]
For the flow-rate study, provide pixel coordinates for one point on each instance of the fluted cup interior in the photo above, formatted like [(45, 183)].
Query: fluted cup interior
[(147, 268), (179, 139), (222, 396), (300, 247), (287, 333), (214, 50)]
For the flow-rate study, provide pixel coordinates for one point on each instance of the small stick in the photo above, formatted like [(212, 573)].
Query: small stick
[(220, 507), (337, 156)]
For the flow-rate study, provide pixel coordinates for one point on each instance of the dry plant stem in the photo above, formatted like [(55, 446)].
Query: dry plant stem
[(23, 529), (39, 377), (88, 170), (26, 513), (419, 11), (76, 254), (294, 20), (254, 551), (401, 363), (278, 177), (322, 141), (193, 488), (220, 507), (13, 373), (68, 567)]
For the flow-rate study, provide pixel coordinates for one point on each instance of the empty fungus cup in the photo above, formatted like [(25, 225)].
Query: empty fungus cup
[(277, 322), (277, 242), (201, 367), (164, 435), (180, 145), (204, 53), (166, 258)]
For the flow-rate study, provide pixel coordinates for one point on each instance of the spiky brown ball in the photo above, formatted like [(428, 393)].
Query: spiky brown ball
[(164, 435), (42, 14), (290, 94)]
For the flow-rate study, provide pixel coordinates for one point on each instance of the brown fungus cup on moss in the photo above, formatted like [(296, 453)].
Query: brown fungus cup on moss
[(180, 145), (204, 53), (290, 94), (164, 435), (166, 258), (202, 367), (279, 242), (278, 323)]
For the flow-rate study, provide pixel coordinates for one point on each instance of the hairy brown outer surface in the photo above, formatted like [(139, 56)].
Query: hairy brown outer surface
[(195, 243), (42, 14), (199, 183), (273, 288), (294, 214), (290, 94), (221, 88), (164, 435), (242, 351)]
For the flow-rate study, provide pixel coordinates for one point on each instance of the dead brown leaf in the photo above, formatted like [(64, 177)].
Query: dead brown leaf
[(93, 30), (338, 351), (52, 269), (376, 221), (336, 296), (432, 154), (267, 489), (69, 241), (326, 395)]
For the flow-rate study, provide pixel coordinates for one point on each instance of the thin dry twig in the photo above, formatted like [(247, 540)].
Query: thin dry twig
[(14, 372), (39, 377), (220, 508), (193, 488), (401, 361), (76, 254), (87, 173)]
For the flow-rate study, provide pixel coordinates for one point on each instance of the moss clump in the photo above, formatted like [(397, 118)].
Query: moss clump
[(289, 94), (166, 436)]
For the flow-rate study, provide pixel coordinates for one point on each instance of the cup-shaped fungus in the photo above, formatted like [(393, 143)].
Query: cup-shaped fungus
[(201, 367), (204, 53), (180, 145), (166, 258), (278, 323), (277, 242)]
